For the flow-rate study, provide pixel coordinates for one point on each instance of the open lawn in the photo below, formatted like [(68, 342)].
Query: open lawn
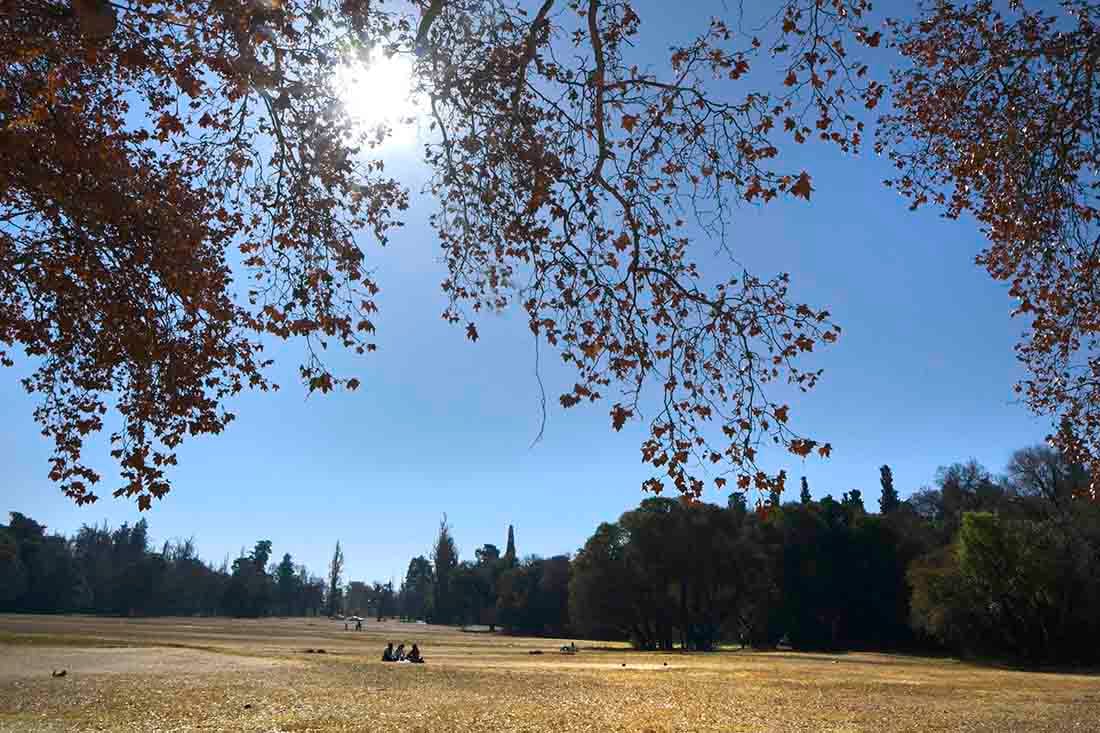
[(253, 675)]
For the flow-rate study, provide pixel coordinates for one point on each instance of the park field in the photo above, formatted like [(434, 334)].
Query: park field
[(256, 675)]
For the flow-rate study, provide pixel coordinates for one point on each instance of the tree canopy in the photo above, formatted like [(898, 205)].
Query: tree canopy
[(182, 183)]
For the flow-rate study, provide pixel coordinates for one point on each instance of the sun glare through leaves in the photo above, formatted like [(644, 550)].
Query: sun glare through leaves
[(377, 95)]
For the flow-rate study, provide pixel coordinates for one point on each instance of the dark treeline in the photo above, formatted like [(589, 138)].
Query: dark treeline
[(987, 567), (106, 571), (528, 596)]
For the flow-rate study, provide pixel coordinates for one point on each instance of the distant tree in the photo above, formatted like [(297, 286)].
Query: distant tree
[(888, 502), (137, 574), (13, 576), (51, 577), (927, 503), (286, 584), (841, 579), (250, 590), (601, 596), (189, 586), (967, 487), (834, 513), (417, 589), (534, 597), (669, 573), (510, 549), (1015, 589), (384, 599), (852, 501), (553, 595), (489, 567), (814, 575), (260, 554), (445, 560), (314, 591), (93, 550), (487, 555), (358, 597), (1044, 473), (469, 593), (335, 576), (804, 494)]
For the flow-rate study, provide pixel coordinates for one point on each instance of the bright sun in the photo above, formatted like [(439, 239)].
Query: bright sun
[(378, 96)]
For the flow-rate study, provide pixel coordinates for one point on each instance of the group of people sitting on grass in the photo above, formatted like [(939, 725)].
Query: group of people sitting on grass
[(398, 655)]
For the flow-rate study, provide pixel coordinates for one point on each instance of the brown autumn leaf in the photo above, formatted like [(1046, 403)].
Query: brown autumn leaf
[(802, 186), (619, 416)]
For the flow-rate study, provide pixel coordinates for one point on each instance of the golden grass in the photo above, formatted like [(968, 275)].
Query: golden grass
[(263, 681)]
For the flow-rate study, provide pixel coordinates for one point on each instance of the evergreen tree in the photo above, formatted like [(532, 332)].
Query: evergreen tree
[(804, 495), (285, 583), (260, 554), (888, 502), (852, 501), (445, 556), (335, 571), (416, 591), (510, 550)]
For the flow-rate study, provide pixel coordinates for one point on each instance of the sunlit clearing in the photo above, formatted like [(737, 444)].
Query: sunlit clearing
[(378, 97)]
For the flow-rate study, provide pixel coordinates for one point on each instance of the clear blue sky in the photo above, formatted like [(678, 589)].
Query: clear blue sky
[(921, 377)]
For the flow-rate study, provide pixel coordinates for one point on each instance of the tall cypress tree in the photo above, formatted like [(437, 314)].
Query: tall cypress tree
[(510, 550), (888, 502), (335, 576), (804, 495)]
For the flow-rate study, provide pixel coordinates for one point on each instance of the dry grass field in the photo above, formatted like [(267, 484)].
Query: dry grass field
[(244, 675)]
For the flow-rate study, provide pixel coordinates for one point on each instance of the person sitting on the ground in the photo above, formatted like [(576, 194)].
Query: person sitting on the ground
[(414, 655), (399, 655), (387, 655)]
